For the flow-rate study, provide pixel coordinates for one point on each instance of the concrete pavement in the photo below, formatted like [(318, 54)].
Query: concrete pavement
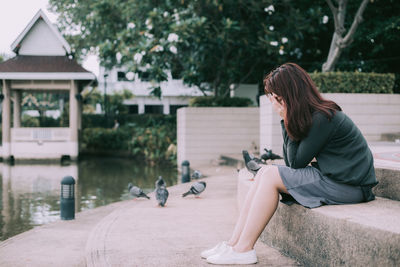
[(138, 233)]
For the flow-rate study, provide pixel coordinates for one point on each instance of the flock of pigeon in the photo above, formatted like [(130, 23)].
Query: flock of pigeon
[(253, 164), (162, 193)]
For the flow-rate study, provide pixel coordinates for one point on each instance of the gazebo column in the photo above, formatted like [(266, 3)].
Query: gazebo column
[(73, 118), (6, 120), (17, 108)]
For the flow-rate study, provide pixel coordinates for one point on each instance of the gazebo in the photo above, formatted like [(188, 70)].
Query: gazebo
[(43, 63)]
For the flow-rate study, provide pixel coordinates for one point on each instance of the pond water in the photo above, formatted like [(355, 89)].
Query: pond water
[(30, 194)]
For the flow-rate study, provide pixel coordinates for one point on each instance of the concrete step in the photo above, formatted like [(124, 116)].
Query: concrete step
[(366, 234), (389, 178)]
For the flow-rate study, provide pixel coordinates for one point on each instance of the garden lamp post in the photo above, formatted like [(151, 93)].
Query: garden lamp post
[(185, 171), (67, 201)]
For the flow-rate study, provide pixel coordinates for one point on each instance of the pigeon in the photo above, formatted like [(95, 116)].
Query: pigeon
[(161, 192), (136, 192), (196, 189), (251, 164), (160, 182), (269, 155), (196, 174)]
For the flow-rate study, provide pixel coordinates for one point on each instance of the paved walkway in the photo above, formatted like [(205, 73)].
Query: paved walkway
[(138, 233)]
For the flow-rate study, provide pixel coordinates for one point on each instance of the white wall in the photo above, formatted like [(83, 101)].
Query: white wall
[(374, 114), (249, 91), (206, 133)]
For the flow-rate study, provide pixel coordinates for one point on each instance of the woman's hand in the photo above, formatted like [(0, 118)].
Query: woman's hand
[(278, 105)]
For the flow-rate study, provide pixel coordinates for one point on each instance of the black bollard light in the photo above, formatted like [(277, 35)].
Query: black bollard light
[(67, 203), (185, 171)]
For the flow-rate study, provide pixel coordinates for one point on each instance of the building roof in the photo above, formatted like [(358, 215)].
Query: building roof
[(43, 67), (41, 33)]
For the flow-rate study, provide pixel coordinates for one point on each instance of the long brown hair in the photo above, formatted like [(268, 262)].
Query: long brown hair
[(300, 96)]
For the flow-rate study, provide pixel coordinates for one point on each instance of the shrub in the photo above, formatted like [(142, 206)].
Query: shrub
[(105, 139), (28, 121), (211, 101), (154, 143), (354, 82), (142, 120)]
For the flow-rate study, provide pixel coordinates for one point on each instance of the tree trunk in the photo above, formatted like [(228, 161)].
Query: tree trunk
[(339, 42)]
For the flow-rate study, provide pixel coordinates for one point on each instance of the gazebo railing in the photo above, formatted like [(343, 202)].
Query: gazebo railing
[(40, 134)]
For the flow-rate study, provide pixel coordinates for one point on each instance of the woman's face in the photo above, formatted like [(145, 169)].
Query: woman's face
[(277, 104)]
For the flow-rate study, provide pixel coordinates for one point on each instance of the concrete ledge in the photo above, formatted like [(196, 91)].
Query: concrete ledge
[(389, 179), (366, 234), (389, 183)]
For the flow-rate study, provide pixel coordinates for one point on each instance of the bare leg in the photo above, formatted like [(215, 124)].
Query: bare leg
[(265, 199), (246, 206)]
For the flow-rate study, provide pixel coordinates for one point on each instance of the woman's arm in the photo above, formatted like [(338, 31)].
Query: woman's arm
[(298, 154)]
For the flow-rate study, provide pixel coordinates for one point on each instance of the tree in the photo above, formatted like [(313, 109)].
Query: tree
[(209, 44), (339, 40)]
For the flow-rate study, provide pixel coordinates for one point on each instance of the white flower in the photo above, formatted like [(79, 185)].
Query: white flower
[(149, 35), (173, 37), (118, 56), (148, 22), (130, 75), (269, 9), (173, 49), (166, 14), (143, 53), (284, 40), (325, 19), (273, 43), (281, 52), (131, 25), (159, 48), (372, 41), (138, 57), (271, 28)]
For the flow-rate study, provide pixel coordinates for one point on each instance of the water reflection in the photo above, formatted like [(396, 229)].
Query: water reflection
[(30, 194)]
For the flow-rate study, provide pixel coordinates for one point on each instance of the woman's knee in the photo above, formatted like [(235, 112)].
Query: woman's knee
[(271, 177)]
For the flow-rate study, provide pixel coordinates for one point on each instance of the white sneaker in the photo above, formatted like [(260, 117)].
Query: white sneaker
[(229, 256), (220, 247)]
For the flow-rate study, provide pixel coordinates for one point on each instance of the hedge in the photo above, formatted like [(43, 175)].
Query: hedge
[(105, 139), (211, 101), (154, 144), (354, 82), (142, 120)]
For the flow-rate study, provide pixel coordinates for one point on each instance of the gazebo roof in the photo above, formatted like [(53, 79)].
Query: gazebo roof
[(40, 26), (42, 54), (43, 67)]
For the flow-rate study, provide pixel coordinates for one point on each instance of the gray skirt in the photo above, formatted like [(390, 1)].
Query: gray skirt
[(310, 188)]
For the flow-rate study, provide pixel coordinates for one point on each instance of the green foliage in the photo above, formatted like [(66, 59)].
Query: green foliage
[(154, 143), (150, 137), (209, 44), (131, 120), (105, 139), (354, 82), (210, 101), (28, 121)]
